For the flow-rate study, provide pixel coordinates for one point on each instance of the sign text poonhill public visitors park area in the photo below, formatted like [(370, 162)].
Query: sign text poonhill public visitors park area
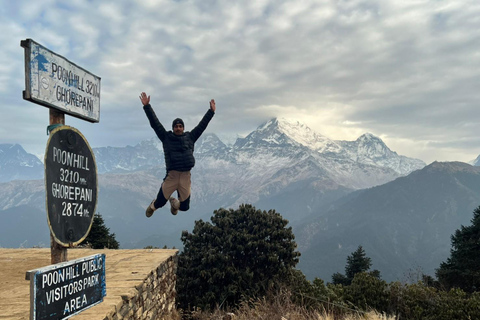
[(62, 290)]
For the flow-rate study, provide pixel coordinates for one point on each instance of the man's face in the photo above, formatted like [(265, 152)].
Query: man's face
[(178, 129)]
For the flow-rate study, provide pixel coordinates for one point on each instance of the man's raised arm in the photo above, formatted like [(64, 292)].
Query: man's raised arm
[(152, 117), (198, 130)]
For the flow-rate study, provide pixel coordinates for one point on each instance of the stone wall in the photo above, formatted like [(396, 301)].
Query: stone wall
[(153, 299)]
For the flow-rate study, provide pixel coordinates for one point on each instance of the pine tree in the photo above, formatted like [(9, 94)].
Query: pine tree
[(462, 268), (99, 236), (357, 262), (241, 254)]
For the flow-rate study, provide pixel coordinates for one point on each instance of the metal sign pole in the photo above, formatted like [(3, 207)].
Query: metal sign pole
[(58, 252)]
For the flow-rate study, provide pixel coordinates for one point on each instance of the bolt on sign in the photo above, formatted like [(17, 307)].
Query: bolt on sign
[(71, 185), (65, 289), (55, 82)]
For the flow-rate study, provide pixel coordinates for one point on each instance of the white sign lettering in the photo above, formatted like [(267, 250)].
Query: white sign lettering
[(62, 290)]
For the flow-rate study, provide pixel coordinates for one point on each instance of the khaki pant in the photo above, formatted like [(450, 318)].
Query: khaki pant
[(177, 180)]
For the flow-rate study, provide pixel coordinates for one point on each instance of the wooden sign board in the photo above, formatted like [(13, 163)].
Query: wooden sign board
[(53, 81), (65, 289), (71, 185)]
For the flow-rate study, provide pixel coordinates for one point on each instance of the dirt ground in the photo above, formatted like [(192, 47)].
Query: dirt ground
[(124, 269)]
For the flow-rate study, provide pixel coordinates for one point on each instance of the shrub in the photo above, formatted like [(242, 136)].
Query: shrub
[(241, 254), (367, 292)]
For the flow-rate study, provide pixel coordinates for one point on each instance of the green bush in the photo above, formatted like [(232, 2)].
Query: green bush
[(368, 292), (472, 307), (241, 255), (417, 301), (316, 295)]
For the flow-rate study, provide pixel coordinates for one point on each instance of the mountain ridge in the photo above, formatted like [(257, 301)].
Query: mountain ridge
[(277, 132), (17, 164), (403, 225)]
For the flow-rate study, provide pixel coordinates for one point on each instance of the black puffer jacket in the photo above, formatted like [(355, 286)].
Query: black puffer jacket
[(178, 149)]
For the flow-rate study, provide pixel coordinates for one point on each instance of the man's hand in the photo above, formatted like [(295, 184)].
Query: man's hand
[(146, 99), (212, 105)]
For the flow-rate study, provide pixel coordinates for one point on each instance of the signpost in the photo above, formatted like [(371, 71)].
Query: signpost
[(71, 185), (55, 82), (62, 290), (65, 88)]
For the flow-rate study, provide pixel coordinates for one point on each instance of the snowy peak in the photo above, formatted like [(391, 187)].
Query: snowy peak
[(209, 143), (302, 134), (283, 132), (369, 149), (14, 153), (268, 134), (372, 147)]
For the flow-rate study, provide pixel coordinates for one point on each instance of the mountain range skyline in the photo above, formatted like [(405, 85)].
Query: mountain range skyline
[(341, 190), (290, 131), (230, 140)]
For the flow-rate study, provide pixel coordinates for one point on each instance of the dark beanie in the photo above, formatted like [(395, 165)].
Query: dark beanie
[(177, 121)]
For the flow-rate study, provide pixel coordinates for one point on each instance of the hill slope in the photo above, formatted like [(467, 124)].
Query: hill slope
[(402, 225)]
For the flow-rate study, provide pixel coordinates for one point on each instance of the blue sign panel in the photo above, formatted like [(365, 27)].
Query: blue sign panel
[(62, 290)]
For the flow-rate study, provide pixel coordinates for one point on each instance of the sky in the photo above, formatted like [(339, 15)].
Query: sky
[(407, 71)]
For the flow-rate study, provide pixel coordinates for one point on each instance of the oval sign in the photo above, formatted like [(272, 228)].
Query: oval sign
[(71, 185)]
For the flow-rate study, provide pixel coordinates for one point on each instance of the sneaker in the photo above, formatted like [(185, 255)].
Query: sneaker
[(150, 210), (175, 205)]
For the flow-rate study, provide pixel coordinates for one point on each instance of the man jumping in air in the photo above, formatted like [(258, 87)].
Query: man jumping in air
[(178, 149)]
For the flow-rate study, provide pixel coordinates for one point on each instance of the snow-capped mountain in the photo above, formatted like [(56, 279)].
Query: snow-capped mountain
[(272, 157), (277, 144), (282, 155), (342, 160), (367, 149), (371, 150), (210, 143), (17, 164), (283, 165), (293, 132)]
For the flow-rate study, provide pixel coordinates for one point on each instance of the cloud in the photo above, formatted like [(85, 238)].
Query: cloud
[(405, 70)]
